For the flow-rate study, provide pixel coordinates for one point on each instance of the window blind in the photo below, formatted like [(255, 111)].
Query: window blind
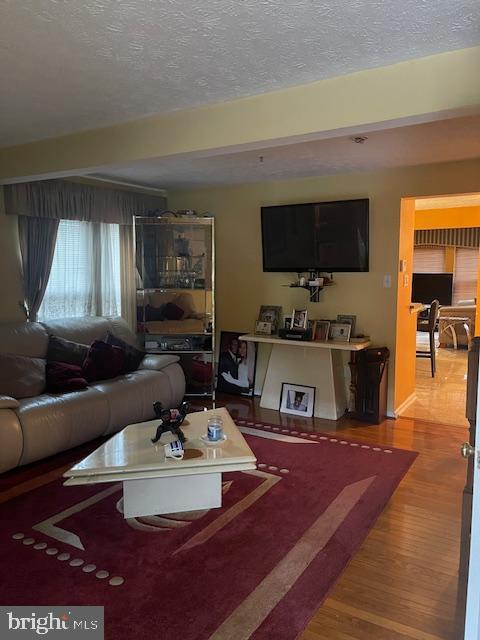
[(428, 260), (466, 274)]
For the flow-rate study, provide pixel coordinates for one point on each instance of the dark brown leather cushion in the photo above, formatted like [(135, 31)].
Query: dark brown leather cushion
[(133, 356), (61, 350)]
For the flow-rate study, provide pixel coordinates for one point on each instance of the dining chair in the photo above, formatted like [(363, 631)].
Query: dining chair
[(429, 324)]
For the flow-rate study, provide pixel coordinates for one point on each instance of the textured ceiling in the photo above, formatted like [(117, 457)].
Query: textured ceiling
[(70, 65), (446, 140)]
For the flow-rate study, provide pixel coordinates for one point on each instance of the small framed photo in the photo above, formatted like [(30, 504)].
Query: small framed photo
[(263, 328), (272, 315), (287, 323), (351, 320), (297, 400), (321, 330), (340, 331), (299, 319)]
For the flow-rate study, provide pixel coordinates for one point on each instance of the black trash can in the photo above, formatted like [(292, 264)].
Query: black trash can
[(370, 384)]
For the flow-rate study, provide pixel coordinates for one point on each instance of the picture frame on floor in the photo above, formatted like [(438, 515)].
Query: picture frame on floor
[(236, 364), (297, 400)]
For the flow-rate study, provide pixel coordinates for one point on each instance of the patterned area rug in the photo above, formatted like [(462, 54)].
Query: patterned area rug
[(256, 568)]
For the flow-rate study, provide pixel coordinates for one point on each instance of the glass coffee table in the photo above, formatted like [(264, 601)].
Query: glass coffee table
[(154, 484)]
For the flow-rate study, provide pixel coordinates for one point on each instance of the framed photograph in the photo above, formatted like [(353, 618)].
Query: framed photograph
[(299, 319), (287, 323), (263, 328), (236, 364), (340, 331), (351, 320), (272, 315), (297, 400), (321, 330)]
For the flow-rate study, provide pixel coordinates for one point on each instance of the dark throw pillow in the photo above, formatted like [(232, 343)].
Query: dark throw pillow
[(103, 361), (133, 356), (61, 350), (154, 313), (64, 377), (172, 311)]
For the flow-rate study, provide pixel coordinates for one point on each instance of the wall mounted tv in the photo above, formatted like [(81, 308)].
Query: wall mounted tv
[(320, 236), (432, 286)]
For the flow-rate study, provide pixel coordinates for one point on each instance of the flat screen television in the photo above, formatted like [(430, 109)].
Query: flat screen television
[(432, 286), (319, 236)]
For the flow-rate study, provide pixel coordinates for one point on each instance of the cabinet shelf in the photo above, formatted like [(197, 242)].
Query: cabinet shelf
[(175, 263)]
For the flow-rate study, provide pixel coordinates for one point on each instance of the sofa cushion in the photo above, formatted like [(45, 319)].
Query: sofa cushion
[(62, 350), (131, 397), (63, 377), (133, 356), (104, 361), (21, 376), (24, 338), (53, 423)]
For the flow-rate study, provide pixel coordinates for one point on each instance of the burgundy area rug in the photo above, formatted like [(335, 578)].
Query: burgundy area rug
[(257, 568)]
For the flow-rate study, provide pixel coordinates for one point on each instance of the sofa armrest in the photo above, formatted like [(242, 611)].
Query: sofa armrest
[(6, 402), (11, 439), (157, 362)]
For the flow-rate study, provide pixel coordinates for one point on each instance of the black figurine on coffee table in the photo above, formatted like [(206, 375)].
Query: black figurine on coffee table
[(170, 420)]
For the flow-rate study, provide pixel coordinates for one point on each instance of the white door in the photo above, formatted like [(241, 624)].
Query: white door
[(472, 618)]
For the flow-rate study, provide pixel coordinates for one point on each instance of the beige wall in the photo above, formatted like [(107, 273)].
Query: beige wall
[(11, 292), (241, 284)]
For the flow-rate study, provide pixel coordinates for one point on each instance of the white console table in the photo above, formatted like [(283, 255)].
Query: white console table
[(314, 364)]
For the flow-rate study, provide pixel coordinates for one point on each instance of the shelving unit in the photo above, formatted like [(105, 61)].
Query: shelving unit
[(175, 260)]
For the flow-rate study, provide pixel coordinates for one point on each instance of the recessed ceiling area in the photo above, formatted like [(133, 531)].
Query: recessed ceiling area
[(442, 141), (75, 66), (448, 202)]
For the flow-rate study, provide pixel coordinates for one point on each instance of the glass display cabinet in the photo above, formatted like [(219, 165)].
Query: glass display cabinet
[(175, 260)]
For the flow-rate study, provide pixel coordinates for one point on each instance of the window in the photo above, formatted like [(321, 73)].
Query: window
[(466, 274), (85, 275), (429, 260)]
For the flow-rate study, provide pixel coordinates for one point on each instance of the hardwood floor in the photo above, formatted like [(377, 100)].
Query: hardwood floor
[(402, 583), (440, 399)]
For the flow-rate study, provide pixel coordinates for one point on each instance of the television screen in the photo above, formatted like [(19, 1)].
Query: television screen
[(432, 286), (323, 236)]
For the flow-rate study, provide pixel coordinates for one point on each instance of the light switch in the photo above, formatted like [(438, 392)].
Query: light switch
[(387, 281)]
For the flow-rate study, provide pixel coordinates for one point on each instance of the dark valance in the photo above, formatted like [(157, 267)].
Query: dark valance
[(467, 237), (60, 199)]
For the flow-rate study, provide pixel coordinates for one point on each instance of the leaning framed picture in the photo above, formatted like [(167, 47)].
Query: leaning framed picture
[(272, 315), (340, 331), (299, 319), (297, 399), (321, 330), (351, 320), (236, 364)]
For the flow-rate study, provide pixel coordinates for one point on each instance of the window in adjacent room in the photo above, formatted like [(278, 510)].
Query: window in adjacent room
[(466, 274), (85, 275), (429, 259)]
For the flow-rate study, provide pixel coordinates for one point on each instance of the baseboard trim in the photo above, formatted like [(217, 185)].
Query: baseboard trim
[(399, 410)]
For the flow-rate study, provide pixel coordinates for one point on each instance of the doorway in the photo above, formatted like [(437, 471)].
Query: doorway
[(438, 258)]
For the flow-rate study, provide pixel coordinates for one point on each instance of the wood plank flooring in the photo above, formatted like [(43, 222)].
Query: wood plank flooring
[(402, 583)]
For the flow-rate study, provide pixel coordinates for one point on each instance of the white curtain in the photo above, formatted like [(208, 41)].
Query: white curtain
[(85, 277)]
